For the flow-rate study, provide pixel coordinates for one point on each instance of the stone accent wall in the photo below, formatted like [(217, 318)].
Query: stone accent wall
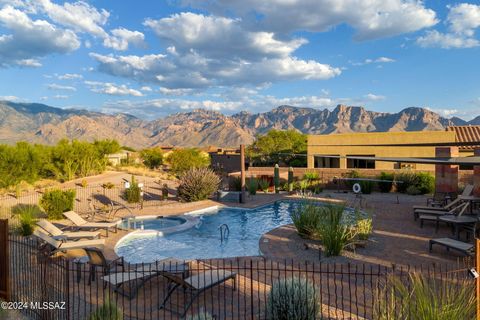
[(446, 176)]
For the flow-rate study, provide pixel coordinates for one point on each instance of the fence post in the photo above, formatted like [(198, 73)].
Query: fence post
[(477, 280), (4, 261)]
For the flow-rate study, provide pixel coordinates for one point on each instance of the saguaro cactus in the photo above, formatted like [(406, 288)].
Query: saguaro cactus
[(276, 178), (290, 179)]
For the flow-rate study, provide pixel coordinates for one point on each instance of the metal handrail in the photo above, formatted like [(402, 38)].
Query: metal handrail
[(224, 232)]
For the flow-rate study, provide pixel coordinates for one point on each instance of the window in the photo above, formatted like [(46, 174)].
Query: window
[(360, 163), (326, 162)]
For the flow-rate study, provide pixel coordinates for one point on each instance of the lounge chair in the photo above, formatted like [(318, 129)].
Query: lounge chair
[(196, 284), (432, 215), (81, 223), (465, 248), (138, 273), (58, 234), (62, 245), (439, 199)]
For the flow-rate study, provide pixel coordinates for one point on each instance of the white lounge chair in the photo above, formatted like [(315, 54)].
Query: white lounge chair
[(58, 234), (62, 245), (81, 223)]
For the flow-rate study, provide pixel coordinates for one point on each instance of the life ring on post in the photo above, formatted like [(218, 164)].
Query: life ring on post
[(357, 188)]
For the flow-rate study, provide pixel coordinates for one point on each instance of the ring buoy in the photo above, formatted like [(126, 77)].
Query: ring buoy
[(357, 188)]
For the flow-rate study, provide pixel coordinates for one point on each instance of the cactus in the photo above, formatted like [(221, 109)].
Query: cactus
[(290, 179), (276, 178), (107, 311), (292, 299)]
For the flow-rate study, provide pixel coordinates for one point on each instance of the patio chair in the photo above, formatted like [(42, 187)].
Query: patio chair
[(465, 248), (59, 234), (439, 199), (81, 223), (196, 284), (426, 215), (139, 273), (445, 208), (62, 245)]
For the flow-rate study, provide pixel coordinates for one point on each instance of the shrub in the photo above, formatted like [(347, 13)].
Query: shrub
[(264, 184), (311, 176), (198, 184), (107, 311), (293, 298), (133, 193), (385, 186), (201, 316), (367, 186), (152, 158), (333, 233), (413, 191), (408, 178), (364, 228), (235, 184), (55, 202), (182, 160), (315, 187), (425, 182), (352, 175), (422, 298), (165, 191), (28, 216), (306, 219), (252, 186)]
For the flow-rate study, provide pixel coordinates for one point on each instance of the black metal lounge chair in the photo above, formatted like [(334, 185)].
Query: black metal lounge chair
[(418, 209), (139, 274), (426, 215), (463, 247), (196, 284)]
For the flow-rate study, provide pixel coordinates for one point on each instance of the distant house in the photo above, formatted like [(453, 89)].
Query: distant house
[(116, 159), (225, 160)]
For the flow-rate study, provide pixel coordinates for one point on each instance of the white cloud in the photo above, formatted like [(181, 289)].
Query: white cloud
[(175, 92), (374, 97), (146, 89), (70, 76), (80, 16), (384, 60), (31, 39), (371, 19), (54, 86), (60, 96), (121, 38), (10, 98), (433, 38), (370, 61), (463, 19), (112, 89)]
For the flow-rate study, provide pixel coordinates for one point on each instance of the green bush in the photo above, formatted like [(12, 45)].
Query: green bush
[(201, 316), (133, 193), (421, 182), (28, 216), (292, 299), (385, 186), (315, 187), (367, 186), (334, 234), (364, 228), (413, 191), (425, 182), (152, 158), (235, 184), (421, 298), (252, 186), (182, 160), (198, 184), (107, 311), (306, 219), (264, 184), (55, 202)]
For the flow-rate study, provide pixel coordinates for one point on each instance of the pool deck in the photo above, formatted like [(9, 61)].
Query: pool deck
[(396, 238)]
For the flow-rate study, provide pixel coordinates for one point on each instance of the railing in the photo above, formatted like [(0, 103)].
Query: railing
[(343, 291), (224, 232)]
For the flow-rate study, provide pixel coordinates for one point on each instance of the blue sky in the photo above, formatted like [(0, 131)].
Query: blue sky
[(153, 58)]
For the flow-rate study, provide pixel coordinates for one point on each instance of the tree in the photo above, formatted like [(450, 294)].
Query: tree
[(152, 157), (181, 160), (279, 146)]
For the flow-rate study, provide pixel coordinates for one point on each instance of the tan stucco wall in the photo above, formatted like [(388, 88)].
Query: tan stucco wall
[(354, 144)]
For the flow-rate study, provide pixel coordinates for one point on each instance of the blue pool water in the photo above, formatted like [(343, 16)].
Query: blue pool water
[(203, 241)]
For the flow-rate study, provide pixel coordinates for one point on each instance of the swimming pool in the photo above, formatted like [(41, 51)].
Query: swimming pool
[(204, 241)]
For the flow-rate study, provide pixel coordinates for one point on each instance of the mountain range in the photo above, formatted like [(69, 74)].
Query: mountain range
[(40, 123)]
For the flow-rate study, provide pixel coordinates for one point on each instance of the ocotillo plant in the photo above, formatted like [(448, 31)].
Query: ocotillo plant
[(276, 178), (290, 179)]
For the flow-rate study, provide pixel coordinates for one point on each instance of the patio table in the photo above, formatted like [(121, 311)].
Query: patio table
[(458, 221)]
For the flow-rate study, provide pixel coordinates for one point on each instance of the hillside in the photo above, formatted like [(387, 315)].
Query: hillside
[(45, 124)]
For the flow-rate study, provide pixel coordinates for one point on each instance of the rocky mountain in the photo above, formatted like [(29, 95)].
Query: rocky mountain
[(44, 124)]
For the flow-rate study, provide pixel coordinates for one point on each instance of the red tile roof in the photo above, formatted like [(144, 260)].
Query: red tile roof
[(466, 134)]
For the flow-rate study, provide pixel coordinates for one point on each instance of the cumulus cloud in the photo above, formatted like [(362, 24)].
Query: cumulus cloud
[(10, 98), (463, 19), (54, 86), (374, 97), (121, 38), (29, 39), (112, 89), (69, 76), (371, 19), (370, 61)]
